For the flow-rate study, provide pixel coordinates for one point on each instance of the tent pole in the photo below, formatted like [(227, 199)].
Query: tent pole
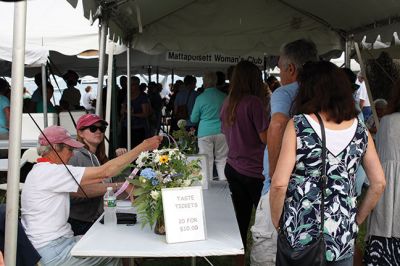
[(109, 91), (149, 74), (44, 95), (102, 55), (347, 52), (128, 97), (172, 77), (14, 152), (157, 75), (265, 69), (364, 73)]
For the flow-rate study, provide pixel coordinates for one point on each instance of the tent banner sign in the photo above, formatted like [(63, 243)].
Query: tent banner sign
[(184, 214), (212, 58)]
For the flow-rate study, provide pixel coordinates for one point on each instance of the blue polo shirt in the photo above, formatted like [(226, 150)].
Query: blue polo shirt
[(281, 102)]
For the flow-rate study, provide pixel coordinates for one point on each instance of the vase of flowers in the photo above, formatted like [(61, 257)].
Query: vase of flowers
[(159, 227), (165, 168), (186, 139)]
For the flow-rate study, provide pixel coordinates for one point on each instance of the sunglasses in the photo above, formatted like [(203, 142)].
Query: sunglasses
[(94, 128)]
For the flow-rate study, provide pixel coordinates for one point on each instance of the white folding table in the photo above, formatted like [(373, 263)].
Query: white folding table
[(223, 236)]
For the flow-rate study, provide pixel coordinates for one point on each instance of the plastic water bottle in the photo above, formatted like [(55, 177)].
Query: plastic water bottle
[(110, 208)]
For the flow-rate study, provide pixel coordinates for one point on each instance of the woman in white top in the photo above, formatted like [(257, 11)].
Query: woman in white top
[(45, 196), (296, 189)]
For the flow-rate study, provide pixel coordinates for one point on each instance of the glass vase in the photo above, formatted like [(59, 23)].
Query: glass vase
[(159, 227)]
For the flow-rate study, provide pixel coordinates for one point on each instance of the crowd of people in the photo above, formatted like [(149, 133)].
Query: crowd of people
[(295, 150)]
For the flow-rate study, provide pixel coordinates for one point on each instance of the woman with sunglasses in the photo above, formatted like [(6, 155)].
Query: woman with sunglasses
[(84, 212)]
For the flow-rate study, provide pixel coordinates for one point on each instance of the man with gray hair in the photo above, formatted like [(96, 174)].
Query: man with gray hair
[(292, 58)]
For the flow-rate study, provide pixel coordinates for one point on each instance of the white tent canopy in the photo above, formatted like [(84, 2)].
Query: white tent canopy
[(54, 27), (51, 26), (240, 27)]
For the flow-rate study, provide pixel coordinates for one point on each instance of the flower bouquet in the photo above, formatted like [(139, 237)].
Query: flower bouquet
[(165, 168), (186, 140)]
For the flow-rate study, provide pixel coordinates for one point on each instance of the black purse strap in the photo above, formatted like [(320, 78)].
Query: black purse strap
[(324, 177)]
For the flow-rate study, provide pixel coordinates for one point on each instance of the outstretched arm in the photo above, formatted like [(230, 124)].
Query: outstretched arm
[(115, 166)]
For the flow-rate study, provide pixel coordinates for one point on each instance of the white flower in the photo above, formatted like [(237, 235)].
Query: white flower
[(331, 225), (157, 159), (187, 182), (306, 204), (181, 123), (167, 179), (142, 158), (155, 194)]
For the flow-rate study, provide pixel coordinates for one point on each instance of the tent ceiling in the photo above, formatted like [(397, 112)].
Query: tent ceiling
[(49, 27), (359, 17), (240, 27)]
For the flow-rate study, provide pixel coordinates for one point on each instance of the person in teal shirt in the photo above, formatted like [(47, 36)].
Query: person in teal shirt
[(206, 112), (50, 106), (4, 108)]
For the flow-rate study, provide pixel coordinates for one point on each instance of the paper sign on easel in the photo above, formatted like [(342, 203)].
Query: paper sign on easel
[(184, 214)]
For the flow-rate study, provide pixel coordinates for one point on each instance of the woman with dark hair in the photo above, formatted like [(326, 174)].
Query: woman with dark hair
[(245, 120), (297, 185), (84, 212), (383, 230)]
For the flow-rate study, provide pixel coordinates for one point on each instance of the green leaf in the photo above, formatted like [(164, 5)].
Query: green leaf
[(138, 191), (135, 182)]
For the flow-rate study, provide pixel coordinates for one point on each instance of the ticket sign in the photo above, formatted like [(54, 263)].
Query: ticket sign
[(184, 214)]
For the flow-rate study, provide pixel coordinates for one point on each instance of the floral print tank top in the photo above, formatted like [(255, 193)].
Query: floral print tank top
[(303, 198)]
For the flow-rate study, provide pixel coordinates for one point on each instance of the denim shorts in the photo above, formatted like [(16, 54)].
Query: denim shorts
[(58, 252)]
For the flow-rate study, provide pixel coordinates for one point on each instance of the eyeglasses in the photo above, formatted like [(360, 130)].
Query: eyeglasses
[(71, 149), (94, 128)]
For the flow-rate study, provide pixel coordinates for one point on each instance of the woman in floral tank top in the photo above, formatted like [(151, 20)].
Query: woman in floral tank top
[(296, 184)]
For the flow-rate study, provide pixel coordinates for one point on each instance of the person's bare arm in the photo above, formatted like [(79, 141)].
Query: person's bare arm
[(362, 102), (377, 182), (7, 115), (113, 167), (275, 135), (280, 180), (95, 190), (264, 136)]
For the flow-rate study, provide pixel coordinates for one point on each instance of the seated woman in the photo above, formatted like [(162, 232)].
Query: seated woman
[(45, 196), (85, 211)]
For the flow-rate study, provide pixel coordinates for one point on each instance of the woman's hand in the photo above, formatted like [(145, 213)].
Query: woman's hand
[(120, 151), (151, 143)]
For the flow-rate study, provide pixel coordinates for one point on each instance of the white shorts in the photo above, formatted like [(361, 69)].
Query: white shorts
[(263, 251)]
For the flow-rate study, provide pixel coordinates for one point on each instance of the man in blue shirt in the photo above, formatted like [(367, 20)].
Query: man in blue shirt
[(293, 56)]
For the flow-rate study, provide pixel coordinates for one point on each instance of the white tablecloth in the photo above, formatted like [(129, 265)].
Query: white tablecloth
[(223, 237)]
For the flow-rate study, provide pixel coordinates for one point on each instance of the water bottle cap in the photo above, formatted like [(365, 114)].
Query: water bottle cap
[(109, 188)]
